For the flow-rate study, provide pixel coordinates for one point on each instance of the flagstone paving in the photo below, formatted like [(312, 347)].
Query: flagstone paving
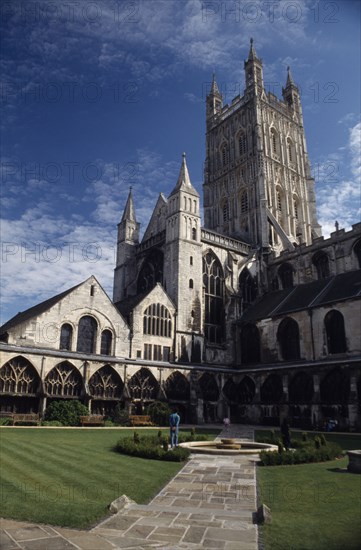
[(209, 504)]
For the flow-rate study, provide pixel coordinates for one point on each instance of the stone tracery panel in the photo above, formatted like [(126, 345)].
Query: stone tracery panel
[(143, 385), (106, 384), (18, 376), (177, 387), (64, 380)]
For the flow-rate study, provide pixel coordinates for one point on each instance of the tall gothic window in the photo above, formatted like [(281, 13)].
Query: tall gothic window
[(357, 251), (106, 384), (106, 343), (64, 380), (288, 336), (247, 390), (244, 202), (279, 202), (157, 321), (225, 155), (335, 332), (250, 344), (151, 272), (87, 334), (18, 376), (225, 211), (177, 387), (285, 273), (271, 389), (66, 336), (274, 142), (248, 288), (290, 150), (213, 283), (321, 262), (242, 143)]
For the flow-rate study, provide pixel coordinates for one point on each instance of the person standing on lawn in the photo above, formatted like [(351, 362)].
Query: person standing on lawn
[(174, 420)]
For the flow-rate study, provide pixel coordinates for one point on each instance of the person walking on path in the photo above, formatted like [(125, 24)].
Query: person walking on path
[(174, 420)]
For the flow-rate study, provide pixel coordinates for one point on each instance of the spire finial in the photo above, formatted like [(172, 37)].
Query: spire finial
[(129, 210)]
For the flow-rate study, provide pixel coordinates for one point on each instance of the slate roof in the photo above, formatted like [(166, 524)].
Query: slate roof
[(23, 316), (318, 293), (126, 306)]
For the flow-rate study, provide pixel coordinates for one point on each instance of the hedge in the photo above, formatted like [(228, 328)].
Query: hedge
[(307, 453)]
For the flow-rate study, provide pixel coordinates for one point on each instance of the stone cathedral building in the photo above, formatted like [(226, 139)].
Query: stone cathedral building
[(255, 315)]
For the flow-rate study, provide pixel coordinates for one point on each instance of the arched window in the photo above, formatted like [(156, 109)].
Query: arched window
[(64, 380), (157, 321), (335, 332), (151, 272), (18, 376), (250, 344), (301, 389), (106, 384), (272, 389), (335, 387), (288, 337), (279, 201), (194, 234), (190, 283), (213, 283), (285, 273), (225, 155), (248, 287), (209, 387), (244, 202), (242, 143), (225, 211), (177, 387), (66, 336), (143, 385), (295, 208), (290, 150), (230, 391), (357, 251), (87, 334), (106, 343), (247, 390), (274, 142), (321, 263)]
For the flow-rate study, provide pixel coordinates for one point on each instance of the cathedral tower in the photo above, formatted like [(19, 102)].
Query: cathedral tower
[(183, 272), (128, 239), (257, 182)]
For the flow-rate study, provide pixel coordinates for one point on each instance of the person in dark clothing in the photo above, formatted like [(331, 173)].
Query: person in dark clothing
[(285, 431)]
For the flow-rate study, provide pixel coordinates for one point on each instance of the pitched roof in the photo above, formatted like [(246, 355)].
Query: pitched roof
[(23, 316), (126, 306), (184, 182), (318, 293)]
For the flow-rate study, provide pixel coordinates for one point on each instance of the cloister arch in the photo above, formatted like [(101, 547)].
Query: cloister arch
[(177, 387), (20, 386), (64, 381)]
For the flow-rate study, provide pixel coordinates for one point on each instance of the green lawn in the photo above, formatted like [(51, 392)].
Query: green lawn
[(69, 477), (313, 506)]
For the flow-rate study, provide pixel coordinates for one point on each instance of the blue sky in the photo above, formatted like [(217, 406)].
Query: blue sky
[(100, 95)]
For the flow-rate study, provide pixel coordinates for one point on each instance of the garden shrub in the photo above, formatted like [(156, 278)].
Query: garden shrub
[(120, 415), (306, 453), (159, 413), (66, 412), (6, 421), (51, 423), (148, 447)]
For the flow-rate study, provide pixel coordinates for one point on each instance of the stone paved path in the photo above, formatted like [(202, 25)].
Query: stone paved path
[(208, 504)]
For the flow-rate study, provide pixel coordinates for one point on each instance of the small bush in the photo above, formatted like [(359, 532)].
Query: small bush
[(304, 436), (136, 438), (120, 415), (6, 421), (322, 439), (302, 455), (148, 448), (193, 432), (159, 413), (280, 446), (165, 443), (66, 412), (317, 442)]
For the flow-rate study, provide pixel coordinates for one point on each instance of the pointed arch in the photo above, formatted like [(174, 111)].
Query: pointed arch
[(335, 332), (64, 380), (288, 336), (177, 387), (248, 287), (19, 377), (209, 387), (335, 387), (250, 344), (242, 143), (106, 342), (213, 285), (151, 272), (300, 389), (66, 336), (285, 273), (244, 202), (357, 251), (106, 383), (272, 389), (143, 385), (87, 334), (321, 262), (230, 391), (247, 390)]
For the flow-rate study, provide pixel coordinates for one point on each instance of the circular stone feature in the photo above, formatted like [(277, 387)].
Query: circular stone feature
[(228, 441), (233, 446), (211, 447)]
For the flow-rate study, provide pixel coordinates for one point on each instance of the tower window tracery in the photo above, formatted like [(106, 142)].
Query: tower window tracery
[(244, 202), (213, 283), (157, 321), (242, 143), (321, 262)]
